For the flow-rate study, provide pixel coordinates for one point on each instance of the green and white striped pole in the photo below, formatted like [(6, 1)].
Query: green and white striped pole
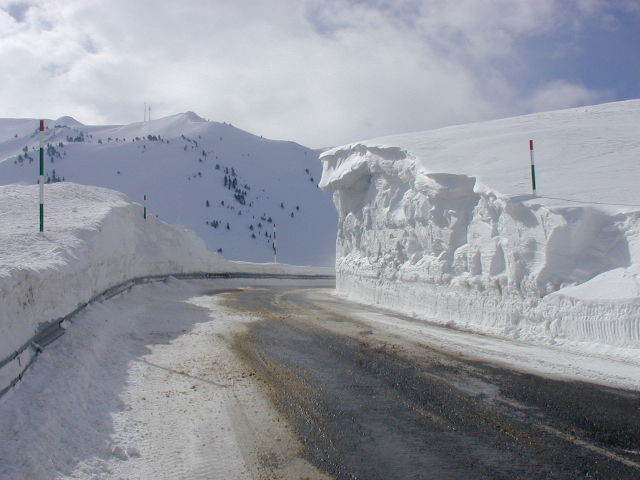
[(41, 181)]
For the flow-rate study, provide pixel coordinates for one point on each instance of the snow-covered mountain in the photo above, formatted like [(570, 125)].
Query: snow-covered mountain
[(227, 185), (442, 224)]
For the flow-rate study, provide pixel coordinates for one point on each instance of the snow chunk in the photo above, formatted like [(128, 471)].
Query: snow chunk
[(119, 452)]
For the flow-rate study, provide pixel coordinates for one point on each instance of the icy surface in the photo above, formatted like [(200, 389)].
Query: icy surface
[(182, 163), (441, 224)]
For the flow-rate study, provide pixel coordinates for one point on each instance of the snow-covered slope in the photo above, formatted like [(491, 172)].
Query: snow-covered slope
[(181, 162), (442, 224)]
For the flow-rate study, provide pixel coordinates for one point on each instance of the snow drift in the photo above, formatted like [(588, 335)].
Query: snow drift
[(94, 239), (439, 224)]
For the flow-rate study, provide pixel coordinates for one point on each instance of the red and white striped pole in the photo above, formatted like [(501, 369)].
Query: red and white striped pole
[(533, 168), (41, 180)]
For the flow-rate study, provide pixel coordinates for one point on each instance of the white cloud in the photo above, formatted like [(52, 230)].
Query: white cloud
[(319, 72), (562, 94)]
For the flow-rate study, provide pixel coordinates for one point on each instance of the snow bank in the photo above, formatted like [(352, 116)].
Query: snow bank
[(440, 224), (94, 239)]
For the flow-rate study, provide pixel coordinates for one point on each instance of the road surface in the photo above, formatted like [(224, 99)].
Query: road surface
[(272, 379), (367, 404)]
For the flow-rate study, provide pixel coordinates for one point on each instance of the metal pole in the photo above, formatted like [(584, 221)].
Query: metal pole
[(533, 168), (144, 212), (41, 180), (275, 249)]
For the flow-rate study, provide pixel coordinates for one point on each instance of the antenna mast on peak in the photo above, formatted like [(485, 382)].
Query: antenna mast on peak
[(147, 112)]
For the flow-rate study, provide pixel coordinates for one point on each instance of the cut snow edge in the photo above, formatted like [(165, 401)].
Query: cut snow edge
[(452, 248)]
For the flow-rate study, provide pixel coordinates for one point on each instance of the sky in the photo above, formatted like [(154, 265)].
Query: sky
[(319, 72)]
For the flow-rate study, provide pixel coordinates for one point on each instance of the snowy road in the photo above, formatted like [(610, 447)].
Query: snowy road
[(216, 380), (145, 386)]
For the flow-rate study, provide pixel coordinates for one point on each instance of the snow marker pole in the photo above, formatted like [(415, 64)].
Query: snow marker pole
[(41, 180), (275, 250), (533, 168), (144, 211)]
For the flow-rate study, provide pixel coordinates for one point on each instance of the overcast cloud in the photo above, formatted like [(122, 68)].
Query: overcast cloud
[(317, 72)]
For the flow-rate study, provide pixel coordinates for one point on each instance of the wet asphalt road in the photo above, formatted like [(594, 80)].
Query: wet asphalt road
[(367, 405)]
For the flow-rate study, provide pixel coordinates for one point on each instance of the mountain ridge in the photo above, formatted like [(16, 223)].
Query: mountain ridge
[(228, 185)]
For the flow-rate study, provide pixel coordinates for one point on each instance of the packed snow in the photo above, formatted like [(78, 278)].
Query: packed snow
[(230, 187), (146, 386), (442, 225), (94, 239)]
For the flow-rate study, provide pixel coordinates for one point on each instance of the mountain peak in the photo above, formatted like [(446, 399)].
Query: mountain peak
[(68, 121), (194, 117)]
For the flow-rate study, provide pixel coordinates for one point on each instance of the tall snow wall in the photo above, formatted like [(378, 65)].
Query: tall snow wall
[(447, 248), (94, 239)]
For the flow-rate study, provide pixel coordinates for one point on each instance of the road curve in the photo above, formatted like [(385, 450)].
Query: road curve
[(367, 404)]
